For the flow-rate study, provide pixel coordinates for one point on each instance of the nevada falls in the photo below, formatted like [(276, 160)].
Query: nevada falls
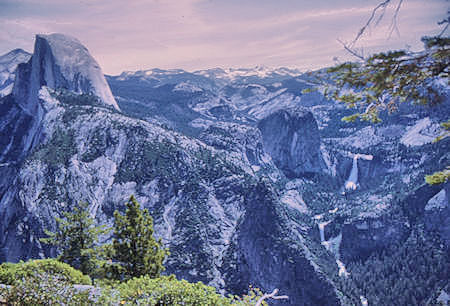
[(250, 181)]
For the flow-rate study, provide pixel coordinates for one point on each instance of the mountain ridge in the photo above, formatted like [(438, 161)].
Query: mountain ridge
[(235, 202)]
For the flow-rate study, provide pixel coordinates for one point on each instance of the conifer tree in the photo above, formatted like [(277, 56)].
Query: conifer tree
[(136, 252), (385, 80), (77, 239)]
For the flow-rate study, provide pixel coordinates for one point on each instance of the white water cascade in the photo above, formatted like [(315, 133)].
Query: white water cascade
[(352, 181), (364, 301), (342, 269), (322, 230)]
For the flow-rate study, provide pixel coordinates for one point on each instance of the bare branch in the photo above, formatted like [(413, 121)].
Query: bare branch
[(351, 51), (393, 27), (447, 21), (272, 295), (381, 6)]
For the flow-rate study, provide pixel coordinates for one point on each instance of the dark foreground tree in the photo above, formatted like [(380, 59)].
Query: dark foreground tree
[(77, 239), (135, 250)]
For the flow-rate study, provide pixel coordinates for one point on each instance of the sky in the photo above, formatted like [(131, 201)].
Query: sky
[(199, 34)]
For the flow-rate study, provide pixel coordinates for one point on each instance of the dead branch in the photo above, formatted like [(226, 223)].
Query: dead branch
[(369, 21), (272, 295), (377, 14), (393, 27), (446, 21), (351, 51)]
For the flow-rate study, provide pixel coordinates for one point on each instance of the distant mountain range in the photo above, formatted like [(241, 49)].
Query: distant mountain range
[(249, 179)]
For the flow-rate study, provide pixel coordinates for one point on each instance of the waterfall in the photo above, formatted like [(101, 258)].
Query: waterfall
[(333, 211), (364, 301), (353, 177), (322, 230), (352, 181), (342, 269), (331, 245)]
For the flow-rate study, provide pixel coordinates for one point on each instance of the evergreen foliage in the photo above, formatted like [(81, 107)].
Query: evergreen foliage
[(438, 177), (166, 290), (386, 79), (135, 251), (10, 273), (58, 150), (77, 240), (42, 289), (407, 274), (443, 176)]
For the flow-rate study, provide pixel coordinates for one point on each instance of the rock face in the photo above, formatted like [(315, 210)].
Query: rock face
[(260, 260), (60, 62), (202, 199), (246, 141), (8, 65), (361, 239), (214, 185), (292, 138), (437, 214), (202, 194)]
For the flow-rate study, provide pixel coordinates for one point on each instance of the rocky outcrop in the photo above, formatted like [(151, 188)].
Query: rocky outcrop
[(245, 141), (26, 116), (437, 214), (218, 198), (262, 261), (292, 138), (8, 65), (220, 224), (60, 62), (362, 238)]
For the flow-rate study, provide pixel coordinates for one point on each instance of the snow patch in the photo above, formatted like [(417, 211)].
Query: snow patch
[(333, 211), (256, 168)]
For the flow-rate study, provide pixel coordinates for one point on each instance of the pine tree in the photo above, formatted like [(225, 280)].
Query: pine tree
[(136, 252), (77, 240), (385, 80)]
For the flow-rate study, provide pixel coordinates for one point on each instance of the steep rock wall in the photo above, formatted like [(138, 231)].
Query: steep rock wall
[(292, 138)]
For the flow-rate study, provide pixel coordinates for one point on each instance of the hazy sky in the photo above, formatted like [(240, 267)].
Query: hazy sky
[(196, 34)]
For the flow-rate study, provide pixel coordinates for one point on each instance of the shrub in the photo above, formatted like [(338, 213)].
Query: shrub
[(42, 288), (167, 290), (11, 273)]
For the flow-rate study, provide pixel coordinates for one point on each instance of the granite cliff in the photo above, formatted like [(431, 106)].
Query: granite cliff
[(249, 180)]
